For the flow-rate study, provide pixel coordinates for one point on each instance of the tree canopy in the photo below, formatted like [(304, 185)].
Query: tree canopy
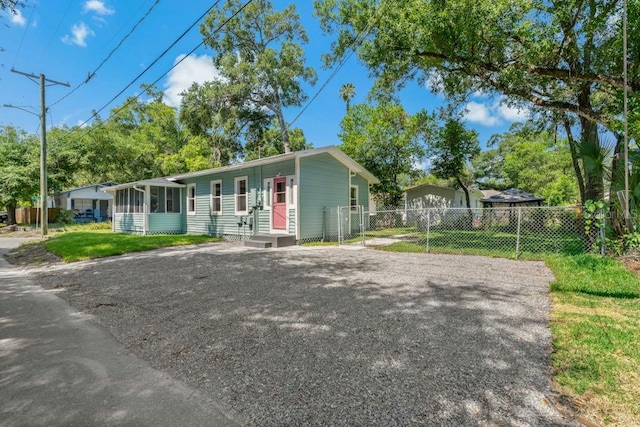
[(560, 58), (388, 142), (261, 66)]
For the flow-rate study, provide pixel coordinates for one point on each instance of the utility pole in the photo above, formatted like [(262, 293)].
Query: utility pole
[(627, 210), (44, 213)]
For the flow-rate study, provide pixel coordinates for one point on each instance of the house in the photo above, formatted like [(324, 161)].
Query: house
[(88, 201), (435, 196), (283, 195), (510, 198)]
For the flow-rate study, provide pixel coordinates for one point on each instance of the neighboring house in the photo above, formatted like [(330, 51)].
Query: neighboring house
[(284, 195), (88, 200), (435, 196), (511, 197)]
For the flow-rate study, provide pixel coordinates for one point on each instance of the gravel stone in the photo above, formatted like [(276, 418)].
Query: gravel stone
[(337, 336)]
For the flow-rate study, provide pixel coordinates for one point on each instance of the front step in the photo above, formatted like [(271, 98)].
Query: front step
[(270, 241)]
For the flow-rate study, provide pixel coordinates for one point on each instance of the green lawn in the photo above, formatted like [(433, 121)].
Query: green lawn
[(482, 242), (595, 324), (82, 245)]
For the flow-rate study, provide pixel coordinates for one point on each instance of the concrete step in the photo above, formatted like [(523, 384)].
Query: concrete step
[(271, 240), (257, 244)]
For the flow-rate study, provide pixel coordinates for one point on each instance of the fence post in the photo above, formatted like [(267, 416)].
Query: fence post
[(428, 227), (339, 226), (518, 232), (362, 226)]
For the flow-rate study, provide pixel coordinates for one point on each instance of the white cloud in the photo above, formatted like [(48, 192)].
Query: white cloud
[(98, 7), (511, 114), (480, 113), (494, 113), (18, 19), (79, 34), (193, 69)]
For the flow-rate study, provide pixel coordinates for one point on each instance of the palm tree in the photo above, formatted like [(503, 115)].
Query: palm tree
[(347, 91)]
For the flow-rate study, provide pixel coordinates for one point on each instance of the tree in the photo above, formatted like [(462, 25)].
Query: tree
[(134, 142), (451, 149), (347, 91), (262, 67), (532, 159), (388, 142), (12, 5), (561, 57), (19, 168)]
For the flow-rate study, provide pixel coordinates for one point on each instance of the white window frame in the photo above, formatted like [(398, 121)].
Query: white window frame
[(267, 193), (194, 198), (213, 196), (353, 207), (236, 181), (291, 191)]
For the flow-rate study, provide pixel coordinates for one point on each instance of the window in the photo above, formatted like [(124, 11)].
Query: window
[(291, 191), (191, 199), (216, 197), (266, 197), (353, 197), (157, 199), (121, 200), (173, 200), (241, 195)]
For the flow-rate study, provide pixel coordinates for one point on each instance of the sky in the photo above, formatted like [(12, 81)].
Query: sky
[(67, 40)]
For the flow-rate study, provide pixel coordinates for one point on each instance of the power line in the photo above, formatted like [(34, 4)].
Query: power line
[(26, 28), (158, 58), (353, 46), (93, 73), (55, 33), (171, 68)]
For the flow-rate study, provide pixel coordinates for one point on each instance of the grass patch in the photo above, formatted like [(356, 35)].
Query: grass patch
[(595, 324), (83, 245)]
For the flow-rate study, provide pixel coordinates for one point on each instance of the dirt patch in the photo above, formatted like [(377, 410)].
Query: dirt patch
[(32, 254), (18, 231), (632, 262)]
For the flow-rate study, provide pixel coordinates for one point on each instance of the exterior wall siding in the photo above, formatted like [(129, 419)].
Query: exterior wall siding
[(129, 223), (324, 183), (165, 223), (203, 222)]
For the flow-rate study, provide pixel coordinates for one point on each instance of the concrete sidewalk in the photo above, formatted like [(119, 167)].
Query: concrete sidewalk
[(59, 368)]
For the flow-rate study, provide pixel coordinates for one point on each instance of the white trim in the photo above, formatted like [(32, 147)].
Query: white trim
[(351, 206), (194, 198), (297, 202), (267, 194), (286, 206), (331, 150), (246, 195), (146, 207), (211, 188)]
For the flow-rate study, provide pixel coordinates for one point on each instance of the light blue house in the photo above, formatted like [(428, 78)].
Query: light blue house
[(284, 196)]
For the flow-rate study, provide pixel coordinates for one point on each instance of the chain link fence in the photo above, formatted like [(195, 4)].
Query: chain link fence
[(510, 231)]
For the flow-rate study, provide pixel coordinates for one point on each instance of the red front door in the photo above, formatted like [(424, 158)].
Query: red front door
[(279, 203)]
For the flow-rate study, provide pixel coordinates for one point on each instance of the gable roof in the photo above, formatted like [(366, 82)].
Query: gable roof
[(101, 185), (158, 182), (512, 195), (332, 150)]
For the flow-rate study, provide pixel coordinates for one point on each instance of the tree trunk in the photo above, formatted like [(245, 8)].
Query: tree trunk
[(574, 158), (593, 179), (11, 212), (469, 222)]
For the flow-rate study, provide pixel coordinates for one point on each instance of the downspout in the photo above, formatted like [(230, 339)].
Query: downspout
[(145, 222)]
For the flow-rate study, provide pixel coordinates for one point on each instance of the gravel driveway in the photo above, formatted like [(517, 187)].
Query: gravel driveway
[(332, 336)]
